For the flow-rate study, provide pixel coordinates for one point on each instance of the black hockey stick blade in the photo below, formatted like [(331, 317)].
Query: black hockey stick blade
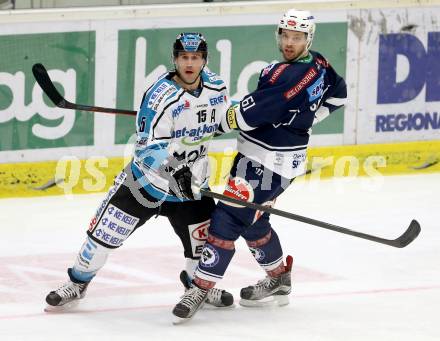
[(409, 235), (406, 238), (43, 79)]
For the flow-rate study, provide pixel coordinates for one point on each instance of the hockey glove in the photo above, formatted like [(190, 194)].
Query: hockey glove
[(183, 176)]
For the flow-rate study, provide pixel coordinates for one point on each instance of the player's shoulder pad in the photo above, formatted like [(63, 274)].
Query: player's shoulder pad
[(265, 71), (211, 79), (275, 73), (320, 59), (159, 93)]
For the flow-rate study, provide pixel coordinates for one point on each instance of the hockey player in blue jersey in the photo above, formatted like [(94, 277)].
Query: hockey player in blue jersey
[(275, 124), (178, 116)]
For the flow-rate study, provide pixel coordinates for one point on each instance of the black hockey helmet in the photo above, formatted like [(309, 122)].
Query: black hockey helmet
[(190, 42)]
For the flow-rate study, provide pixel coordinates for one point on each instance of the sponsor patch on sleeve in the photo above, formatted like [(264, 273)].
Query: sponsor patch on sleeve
[(305, 81), (161, 92), (316, 90), (277, 73), (267, 69)]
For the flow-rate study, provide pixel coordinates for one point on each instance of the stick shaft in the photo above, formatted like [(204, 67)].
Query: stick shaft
[(406, 238)]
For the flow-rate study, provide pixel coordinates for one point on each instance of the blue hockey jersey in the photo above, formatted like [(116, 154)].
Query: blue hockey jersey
[(275, 120)]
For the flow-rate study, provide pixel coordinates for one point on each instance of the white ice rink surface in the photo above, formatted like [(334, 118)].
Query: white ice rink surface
[(344, 288)]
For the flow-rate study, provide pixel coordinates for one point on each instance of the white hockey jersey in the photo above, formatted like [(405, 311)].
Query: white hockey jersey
[(173, 124)]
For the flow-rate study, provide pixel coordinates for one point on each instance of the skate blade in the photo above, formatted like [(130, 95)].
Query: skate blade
[(61, 308), (208, 306), (271, 301), (180, 320)]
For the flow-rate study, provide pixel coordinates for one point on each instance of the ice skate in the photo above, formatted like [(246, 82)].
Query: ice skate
[(191, 301), (216, 297), (65, 297), (269, 291)]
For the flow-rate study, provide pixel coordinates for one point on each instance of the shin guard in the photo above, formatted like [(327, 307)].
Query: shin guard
[(90, 259), (216, 256), (268, 253)]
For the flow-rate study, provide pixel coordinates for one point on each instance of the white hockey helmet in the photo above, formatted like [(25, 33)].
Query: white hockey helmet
[(297, 20)]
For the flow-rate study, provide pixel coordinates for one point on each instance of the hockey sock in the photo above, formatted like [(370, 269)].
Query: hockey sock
[(216, 256), (268, 253), (190, 266), (91, 257)]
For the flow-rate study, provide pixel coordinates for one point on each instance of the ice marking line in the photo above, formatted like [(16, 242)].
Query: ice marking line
[(79, 311), (367, 292), (106, 310)]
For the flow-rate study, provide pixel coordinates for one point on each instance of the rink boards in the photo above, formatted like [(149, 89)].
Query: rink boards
[(96, 174), (106, 56)]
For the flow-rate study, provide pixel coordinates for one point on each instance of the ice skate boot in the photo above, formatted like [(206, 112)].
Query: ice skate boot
[(191, 301), (216, 297), (66, 297), (269, 290)]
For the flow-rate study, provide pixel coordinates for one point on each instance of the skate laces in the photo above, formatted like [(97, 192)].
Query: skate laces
[(193, 296), (69, 289), (266, 283), (215, 295)]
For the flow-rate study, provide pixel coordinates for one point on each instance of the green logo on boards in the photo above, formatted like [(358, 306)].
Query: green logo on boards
[(28, 120), (237, 54)]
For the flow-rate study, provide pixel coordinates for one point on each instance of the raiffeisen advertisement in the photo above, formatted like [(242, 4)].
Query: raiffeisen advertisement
[(399, 82)]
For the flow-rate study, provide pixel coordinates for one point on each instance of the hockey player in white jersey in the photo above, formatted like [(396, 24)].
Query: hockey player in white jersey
[(178, 116), (275, 125)]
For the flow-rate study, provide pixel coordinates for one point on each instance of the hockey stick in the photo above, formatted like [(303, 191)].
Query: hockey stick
[(49, 184), (43, 79), (406, 238)]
